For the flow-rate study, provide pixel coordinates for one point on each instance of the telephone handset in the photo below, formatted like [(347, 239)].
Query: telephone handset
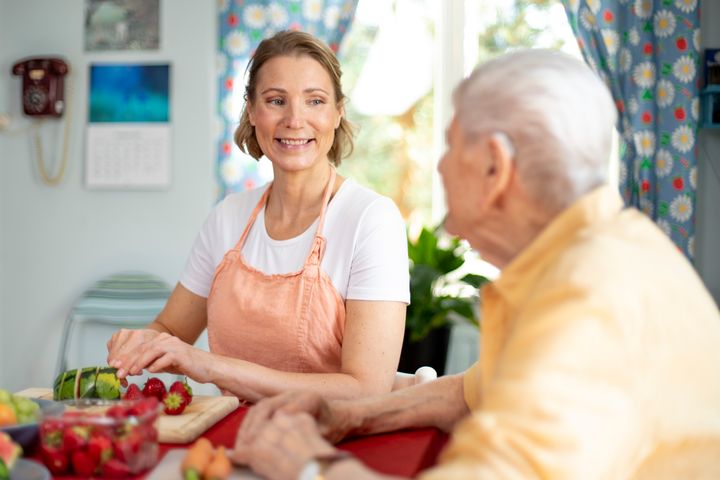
[(43, 85)]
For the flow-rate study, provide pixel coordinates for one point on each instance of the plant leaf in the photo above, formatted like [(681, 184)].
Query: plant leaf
[(474, 279), (430, 262)]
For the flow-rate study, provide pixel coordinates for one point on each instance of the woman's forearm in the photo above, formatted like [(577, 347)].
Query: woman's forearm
[(253, 382)]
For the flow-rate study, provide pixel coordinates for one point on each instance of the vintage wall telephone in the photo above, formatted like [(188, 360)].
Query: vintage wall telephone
[(43, 95), (43, 85)]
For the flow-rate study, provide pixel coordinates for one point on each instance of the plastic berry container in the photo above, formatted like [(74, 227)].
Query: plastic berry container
[(101, 438)]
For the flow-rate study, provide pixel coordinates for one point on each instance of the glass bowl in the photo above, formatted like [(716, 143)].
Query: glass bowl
[(101, 438)]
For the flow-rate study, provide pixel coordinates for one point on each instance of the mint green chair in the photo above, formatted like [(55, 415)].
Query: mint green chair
[(120, 300)]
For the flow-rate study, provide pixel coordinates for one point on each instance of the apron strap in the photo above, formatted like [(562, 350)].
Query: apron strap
[(253, 216), (318, 248), (326, 200)]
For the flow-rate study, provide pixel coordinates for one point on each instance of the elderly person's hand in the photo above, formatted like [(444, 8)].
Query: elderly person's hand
[(333, 422), (282, 446)]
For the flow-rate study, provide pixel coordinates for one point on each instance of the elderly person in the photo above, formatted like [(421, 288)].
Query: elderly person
[(303, 283), (600, 352)]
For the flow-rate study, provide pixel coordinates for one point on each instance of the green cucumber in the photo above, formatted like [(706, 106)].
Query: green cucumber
[(88, 382)]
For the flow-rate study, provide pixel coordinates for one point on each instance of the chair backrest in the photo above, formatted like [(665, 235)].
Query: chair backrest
[(121, 300)]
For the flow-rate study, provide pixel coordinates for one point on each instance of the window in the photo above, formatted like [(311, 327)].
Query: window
[(388, 77), (402, 59)]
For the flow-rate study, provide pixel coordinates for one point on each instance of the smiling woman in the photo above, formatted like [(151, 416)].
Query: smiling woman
[(303, 283), (283, 102)]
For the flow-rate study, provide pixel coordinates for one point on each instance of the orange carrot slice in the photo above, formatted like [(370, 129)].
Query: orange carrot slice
[(197, 459), (220, 466)]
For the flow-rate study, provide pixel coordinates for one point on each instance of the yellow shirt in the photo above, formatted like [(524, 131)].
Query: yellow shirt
[(600, 359)]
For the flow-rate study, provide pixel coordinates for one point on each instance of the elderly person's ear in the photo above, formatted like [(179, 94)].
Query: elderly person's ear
[(499, 165)]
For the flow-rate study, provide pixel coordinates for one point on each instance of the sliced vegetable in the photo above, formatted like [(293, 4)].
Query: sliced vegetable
[(88, 382), (197, 459), (219, 467)]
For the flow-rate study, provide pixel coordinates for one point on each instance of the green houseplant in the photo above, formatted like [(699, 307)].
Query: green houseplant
[(437, 294)]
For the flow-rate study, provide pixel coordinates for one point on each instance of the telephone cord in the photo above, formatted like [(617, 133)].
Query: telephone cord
[(46, 177)]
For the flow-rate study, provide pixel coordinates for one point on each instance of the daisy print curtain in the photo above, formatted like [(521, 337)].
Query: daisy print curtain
[(242, 24), (647, 51)]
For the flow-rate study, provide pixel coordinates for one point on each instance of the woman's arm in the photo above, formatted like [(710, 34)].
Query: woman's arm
[(370, 353), (371, 348)]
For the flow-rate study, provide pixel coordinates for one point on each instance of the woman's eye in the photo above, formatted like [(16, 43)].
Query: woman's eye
[(316, 101), (275, 101)]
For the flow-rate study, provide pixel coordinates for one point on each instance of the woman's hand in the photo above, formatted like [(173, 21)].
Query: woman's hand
[(132, 351), (184, 316), (282, 446), (124, 346)]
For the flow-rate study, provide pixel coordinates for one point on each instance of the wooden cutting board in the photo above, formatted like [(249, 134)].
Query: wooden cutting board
[(201, 414)]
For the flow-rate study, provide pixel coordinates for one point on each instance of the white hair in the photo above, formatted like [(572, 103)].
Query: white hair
[(556, 113)]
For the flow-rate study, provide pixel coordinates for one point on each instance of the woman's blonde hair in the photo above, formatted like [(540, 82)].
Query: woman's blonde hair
[(295, 44)]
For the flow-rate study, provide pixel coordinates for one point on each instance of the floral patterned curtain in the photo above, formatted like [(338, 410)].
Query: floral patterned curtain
[(242, 25), (647, 51)]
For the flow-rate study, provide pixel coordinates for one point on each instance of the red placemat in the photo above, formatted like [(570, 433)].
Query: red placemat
[(404, 453)]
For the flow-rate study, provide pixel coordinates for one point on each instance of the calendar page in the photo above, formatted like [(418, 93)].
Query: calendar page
[(128, 133), (128, 156)]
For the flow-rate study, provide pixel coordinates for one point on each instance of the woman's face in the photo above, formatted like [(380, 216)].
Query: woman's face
[(294, 112)]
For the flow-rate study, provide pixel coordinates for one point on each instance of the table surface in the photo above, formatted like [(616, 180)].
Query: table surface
[(403, 453)]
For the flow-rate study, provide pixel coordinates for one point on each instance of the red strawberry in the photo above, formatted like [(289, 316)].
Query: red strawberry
[(114, 468), (100, 447), (148, 431), (126, 447), (154, 387), (75, 437), (83, 463), (55, 460), (133, 392), (51, 432), (143, 406), (174, 403), (183, 389), (116, 411)]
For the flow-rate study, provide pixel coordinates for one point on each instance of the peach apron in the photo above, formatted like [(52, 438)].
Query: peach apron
[(292, 322)]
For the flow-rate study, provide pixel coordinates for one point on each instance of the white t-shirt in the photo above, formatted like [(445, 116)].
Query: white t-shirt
[(365, 251)]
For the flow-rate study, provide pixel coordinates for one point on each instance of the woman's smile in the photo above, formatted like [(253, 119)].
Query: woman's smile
[(295, 143)]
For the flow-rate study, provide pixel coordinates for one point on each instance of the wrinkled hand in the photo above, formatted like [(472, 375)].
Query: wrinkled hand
[(131, 351), (282, 446), (332, 422)]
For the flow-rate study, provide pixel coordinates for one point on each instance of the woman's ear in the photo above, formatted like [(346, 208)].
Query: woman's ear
[(341, 111), (250, 113)]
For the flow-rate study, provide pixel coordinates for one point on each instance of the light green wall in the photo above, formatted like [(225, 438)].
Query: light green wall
[(56, 241)]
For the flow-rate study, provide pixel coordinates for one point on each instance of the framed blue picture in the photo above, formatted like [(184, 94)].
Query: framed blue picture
[(121, 93)]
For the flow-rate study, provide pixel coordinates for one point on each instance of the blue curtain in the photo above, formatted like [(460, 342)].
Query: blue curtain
[(242, 25), (647, 51)]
